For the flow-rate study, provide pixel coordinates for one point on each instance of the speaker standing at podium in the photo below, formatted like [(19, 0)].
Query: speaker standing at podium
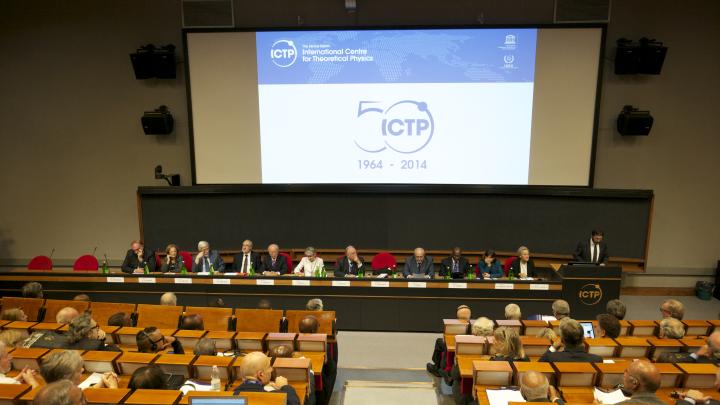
[(593, 250)]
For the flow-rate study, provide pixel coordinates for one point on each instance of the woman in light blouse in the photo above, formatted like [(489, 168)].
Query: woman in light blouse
[(523, 266), (309, 264)]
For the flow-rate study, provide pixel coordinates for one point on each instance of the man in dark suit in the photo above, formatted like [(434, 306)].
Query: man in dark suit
[(246, 259), (571, 335), (257, 373), (207, 259), (534, 387), (523, 266), (457, 266), (137, 258), (593, 250), (348, 265), (642, 379), (419, 264), (709, 353), (274, 263)]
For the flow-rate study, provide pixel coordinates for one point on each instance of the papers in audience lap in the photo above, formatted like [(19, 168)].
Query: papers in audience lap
[(191, 385), (612, 397), (93, 379), (548, 318), (502, 397)]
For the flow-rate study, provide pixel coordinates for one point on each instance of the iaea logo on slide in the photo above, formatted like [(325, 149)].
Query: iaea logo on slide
[(406, 126), (283, 53)]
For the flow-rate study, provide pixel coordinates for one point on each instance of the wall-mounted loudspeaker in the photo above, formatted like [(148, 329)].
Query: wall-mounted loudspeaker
[(631, 121), (150, 62), (647, 57), (158, 122)]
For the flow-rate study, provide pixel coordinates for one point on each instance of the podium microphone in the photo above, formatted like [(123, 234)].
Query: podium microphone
[(94, 250), (52, 253)]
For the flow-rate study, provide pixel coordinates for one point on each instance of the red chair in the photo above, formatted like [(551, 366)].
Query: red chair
[(86, 263), (40, 263), (187, 260), (507, 263), (383, 261), (289, 261)]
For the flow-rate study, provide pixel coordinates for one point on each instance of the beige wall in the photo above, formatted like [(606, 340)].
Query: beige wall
[(74, 152)]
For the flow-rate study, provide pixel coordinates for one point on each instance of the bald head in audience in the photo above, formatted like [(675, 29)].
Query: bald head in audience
[(463, 313), (534, 387), (308, 324), (66, 315), (61, 392), (256, 366), (641, 376), (82, 297), (281, 351), (168, 299), (205, 347)]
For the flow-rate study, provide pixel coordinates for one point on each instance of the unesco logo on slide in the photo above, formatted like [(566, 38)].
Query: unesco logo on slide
[(283, 53), (406, 126)]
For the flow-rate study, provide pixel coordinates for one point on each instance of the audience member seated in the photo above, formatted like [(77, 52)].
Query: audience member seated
[(548, 333), (14, 314), (455, 266), (695, 397), (419, 264), (151, 340), (709, 353), (66, 315), (148, 378), (85, 334), (607, 326), (523, 266), (560, 309), (205, 347), (119, 319), (283, 351), (264, 304), (274, 263), (60, 393), (192, 322), (207, 259), (32, 289), (169, 299), (309, 264), (308, 324), (137, 259), (82, 297), (642, 379), (314, 304), (571, 343), (671, 328), (26, 376), (11, 337), (256, 373), (508, 346), (616, 308), (489, 265), (173, 262), (463, 313), (534, 387), (482, 327), (68, 365), (348, 265), (512, 312), (217, 303), (672, 309)]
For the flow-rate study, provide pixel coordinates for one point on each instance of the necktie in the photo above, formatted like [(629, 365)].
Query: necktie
[(352, 268), (595, 253), (455, 266), (245, 264), (207, 264), (273, 263)]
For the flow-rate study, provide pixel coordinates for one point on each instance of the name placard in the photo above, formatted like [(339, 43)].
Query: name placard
[(379, 284), (230, 274), (263, 281), (183, 281), (146, 280), (302, 283), (457, 285), (416, 284), (341, 283), (116, 279), (539, 286), (225, 281), (504, 286)]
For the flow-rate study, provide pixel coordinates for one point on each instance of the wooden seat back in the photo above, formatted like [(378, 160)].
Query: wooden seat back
[(258, 320), (31, 306), (102, 311), (213, 318), (326, 320), (160, 316), (52, 307)]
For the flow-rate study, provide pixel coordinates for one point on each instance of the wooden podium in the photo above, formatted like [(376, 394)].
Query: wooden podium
[(588, 288)]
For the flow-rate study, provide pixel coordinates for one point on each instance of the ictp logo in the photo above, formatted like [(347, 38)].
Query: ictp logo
[(590, 294), (406, 126), (283, 53)]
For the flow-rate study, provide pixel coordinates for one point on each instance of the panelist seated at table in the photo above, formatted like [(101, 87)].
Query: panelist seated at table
[(274, 263), (593, 250), (523, 266), (695, 397), (490, 266), (257, 377), (137, 258), (246, 259), (350, 264), (207, 259), (456, 266), (309, 264), (419, 264), (173, 262)]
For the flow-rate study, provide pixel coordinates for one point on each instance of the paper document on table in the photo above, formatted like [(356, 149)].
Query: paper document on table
[(191, 385), (93, 379), (548, 318), (502, 397), (612, 397)]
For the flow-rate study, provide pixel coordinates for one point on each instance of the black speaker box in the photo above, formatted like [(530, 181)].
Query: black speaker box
[(157, 123), (633, 122)]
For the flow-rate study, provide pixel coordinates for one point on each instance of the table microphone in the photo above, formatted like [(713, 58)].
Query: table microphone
[(94, 249), (52, 253)]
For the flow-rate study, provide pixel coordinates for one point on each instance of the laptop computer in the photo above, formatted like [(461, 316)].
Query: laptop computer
[(588, 330)]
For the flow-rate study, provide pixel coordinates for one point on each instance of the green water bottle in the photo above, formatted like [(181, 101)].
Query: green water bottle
[(147, 269), (323, 272), (105, 269), (511, 276), (251, 270), (183, 270), (212, 270)]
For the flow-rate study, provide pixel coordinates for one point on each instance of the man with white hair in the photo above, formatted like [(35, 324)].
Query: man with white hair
[(419, 264), (512, 312), (348, 265), (169, 299), (207, 260), (274, 263), (66, 315)]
